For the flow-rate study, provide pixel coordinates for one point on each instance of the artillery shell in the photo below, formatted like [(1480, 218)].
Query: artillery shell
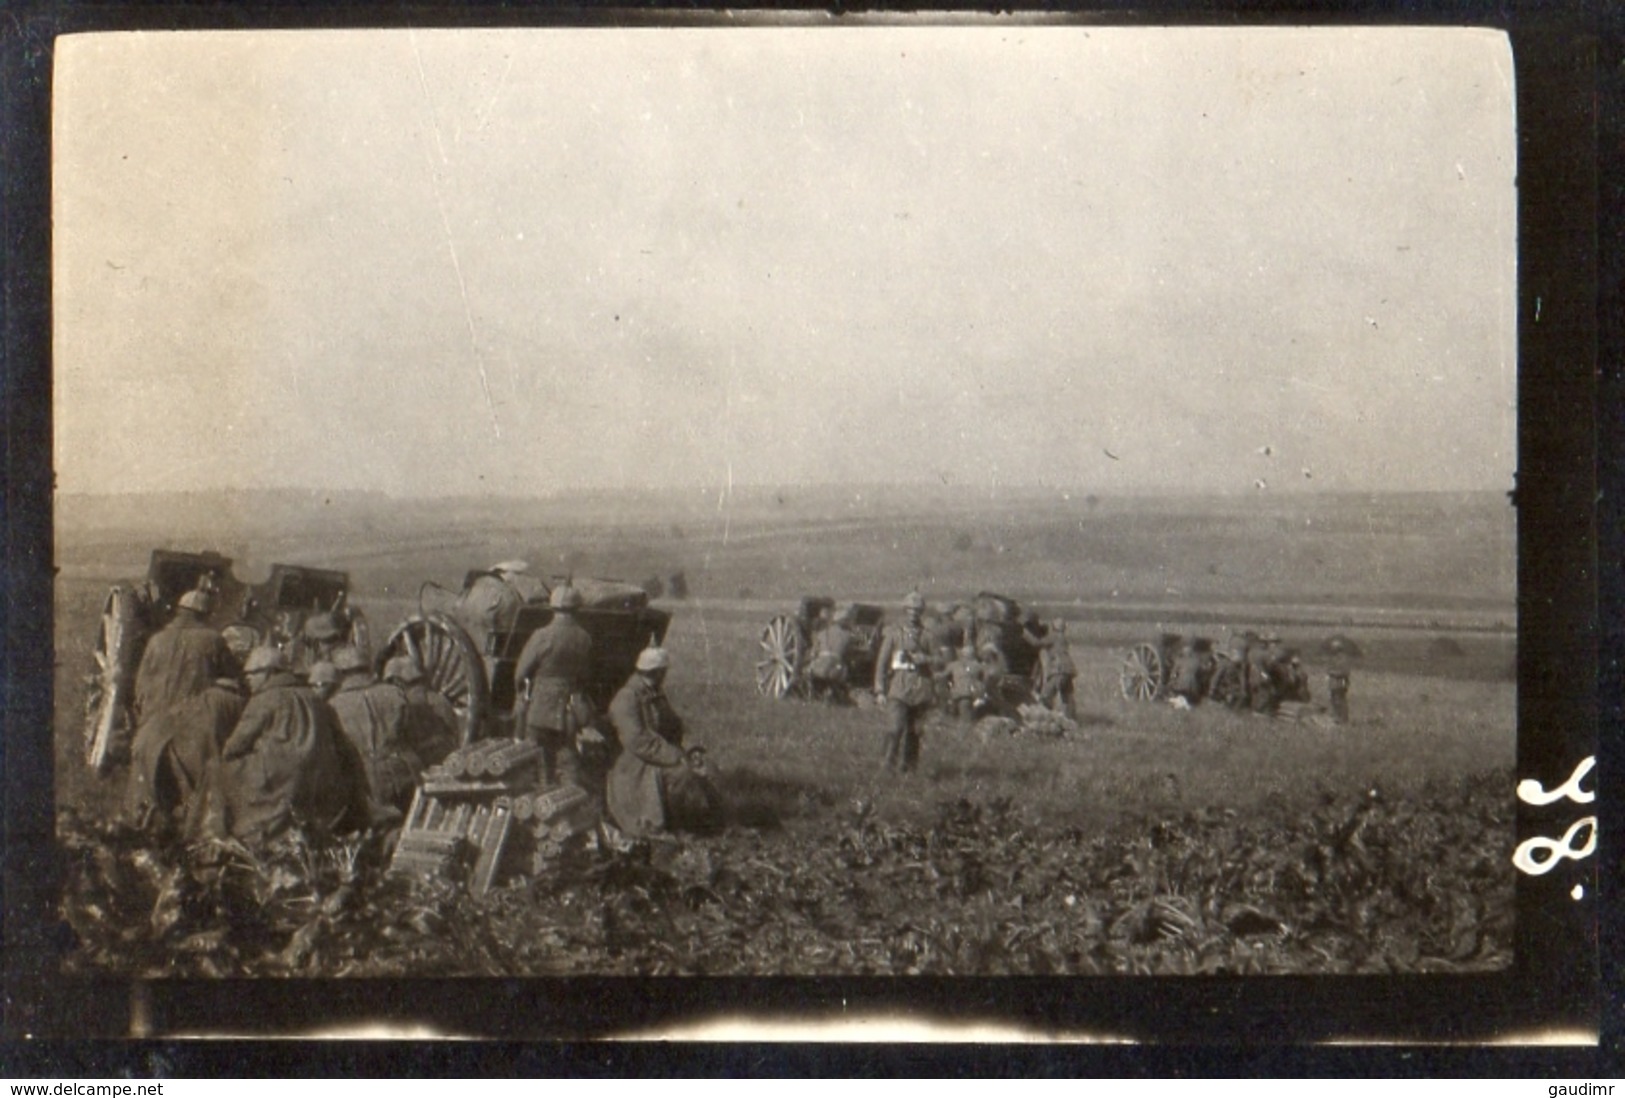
[(480, 756), (511, 757), (556, 800), (523, 807), (438, 842), (490, 861)]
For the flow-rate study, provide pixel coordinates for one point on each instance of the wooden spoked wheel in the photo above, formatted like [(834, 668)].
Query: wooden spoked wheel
[(451, 666), (108, 719), (1141, 675), (778, 661)]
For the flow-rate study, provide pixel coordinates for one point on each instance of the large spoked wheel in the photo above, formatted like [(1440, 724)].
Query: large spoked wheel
[(108, 718), (451, 665), (1141, 675), (778, 662)]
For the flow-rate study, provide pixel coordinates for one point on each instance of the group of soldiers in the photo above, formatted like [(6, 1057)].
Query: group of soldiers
[(1254, 673), (644, 776), (234, 739), (912, 660)]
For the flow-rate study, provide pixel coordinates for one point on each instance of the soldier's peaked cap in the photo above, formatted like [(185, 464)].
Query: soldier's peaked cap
[(511, 566), (913, 601)]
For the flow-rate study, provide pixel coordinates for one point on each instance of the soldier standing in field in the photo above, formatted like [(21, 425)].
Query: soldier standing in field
[(1263, 689), (551, 677), (1056, 670), (1337, 678), (904, 684), (967, 686)]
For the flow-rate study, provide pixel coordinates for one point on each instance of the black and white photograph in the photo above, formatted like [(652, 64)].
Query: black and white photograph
[(930, 498)]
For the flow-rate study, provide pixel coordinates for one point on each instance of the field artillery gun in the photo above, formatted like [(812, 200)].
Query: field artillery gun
[(997, 627), (468, 642), (273, 612), (1189, 669), (788, 641)]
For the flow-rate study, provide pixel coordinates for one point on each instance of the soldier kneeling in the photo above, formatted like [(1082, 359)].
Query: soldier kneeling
[(656, 784)]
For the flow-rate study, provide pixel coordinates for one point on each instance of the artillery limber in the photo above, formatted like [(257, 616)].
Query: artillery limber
[(786, 645), (273, 612), (468, 642)]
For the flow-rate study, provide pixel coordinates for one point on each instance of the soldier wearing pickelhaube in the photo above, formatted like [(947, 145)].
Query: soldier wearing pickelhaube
[(659, 781), (551, 679), (182, 659), (904, 683)]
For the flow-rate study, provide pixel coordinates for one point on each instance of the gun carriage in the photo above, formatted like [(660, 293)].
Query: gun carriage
[(273, 612), (468, 642), (786, 644), (1192, 668)]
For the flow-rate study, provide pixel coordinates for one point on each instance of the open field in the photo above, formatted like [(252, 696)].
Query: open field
[(1245, 803)]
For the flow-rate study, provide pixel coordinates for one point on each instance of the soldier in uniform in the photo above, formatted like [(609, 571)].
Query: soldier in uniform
[(1230, 677), (904, 683), (323, 677), (181, 659), (1293, 678), (1337, 688), (967, 686), (377, 721), (282, 763), (1263, 691), (1337, 677), (322, 637), (1056, 670), (656, 783), (175, 757), (1186, 680), (432, 719), (551, 677), (827, 670)]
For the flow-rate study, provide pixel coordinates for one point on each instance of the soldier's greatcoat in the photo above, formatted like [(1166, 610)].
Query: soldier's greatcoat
[(651, 787), (557, 660), (180, 662), (283, 762), (378, 721), (435, 729), (176, 752)]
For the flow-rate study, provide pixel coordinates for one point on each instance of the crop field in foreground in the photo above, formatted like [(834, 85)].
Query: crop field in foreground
[(1153, 841)]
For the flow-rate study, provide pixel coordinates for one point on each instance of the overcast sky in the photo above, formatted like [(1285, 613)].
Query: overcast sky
[(1113, 259)]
